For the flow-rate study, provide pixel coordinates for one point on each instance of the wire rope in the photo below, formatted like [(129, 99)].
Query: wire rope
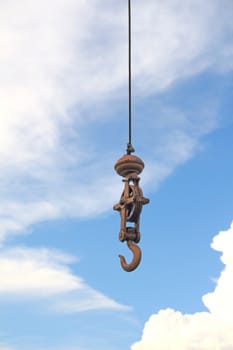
[(130, 148)]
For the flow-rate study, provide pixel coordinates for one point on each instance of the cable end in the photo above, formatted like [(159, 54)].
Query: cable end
[(130, 148)]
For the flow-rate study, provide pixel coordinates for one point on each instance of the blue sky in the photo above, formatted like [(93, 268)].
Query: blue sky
[(63, 118)]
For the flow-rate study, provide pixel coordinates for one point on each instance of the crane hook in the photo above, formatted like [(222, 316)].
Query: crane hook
[(137, 254)]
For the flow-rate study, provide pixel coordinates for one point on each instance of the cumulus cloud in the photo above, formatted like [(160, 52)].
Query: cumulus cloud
[(62, 64), (220, 302), (172, 330), (45, 273)]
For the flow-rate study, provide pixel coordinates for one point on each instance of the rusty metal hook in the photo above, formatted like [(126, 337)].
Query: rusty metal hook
[(137, 255)]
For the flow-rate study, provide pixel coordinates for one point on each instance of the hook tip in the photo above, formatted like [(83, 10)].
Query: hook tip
[(137, 254)]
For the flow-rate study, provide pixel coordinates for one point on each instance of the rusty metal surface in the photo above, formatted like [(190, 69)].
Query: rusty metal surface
[(130, 207), (129, 164), (137, 255)]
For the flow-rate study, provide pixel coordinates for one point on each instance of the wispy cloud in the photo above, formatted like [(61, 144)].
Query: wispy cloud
[(174, 41), (170, 329), (90, 300), (45, 273)]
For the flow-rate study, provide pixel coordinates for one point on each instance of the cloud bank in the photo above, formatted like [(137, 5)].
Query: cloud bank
[(172, 330)]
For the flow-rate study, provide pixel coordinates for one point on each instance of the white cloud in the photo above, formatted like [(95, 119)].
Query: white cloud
[(15, 216), (62, 64), (172, 330), (37, 273), (174, 40), (92, 300), (220, 301), (41, 272), (169, 329)]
